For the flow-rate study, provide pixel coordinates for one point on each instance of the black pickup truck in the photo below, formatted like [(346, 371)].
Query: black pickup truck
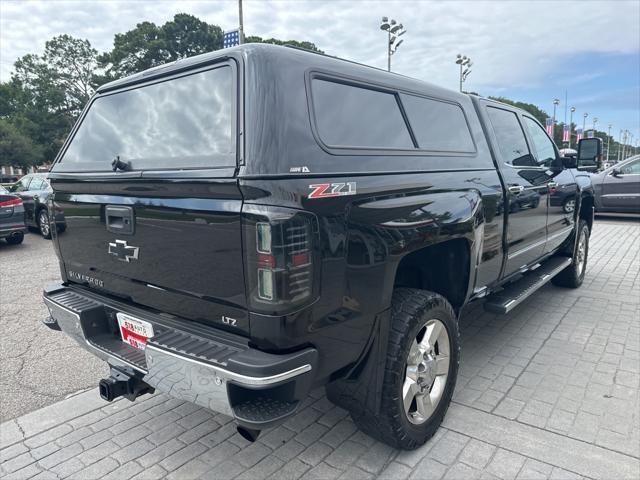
[(249, 224)]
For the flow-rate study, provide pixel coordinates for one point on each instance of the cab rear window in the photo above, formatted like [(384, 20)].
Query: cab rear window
[(185, 122)]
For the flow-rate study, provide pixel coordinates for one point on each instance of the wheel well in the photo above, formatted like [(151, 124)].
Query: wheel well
[(442, 268), (586, 210)]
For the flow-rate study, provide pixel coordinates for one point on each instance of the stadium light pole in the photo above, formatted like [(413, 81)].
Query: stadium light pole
[(572, 110), (556, 102), (465, 67), (394, 31)]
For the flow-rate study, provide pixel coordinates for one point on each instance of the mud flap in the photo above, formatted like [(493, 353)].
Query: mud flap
[(360, 390)]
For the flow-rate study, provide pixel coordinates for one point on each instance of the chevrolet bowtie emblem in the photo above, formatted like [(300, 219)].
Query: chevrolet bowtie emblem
[(122, 251)]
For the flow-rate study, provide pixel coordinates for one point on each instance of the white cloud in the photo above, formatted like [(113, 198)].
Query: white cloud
[(511, 42)]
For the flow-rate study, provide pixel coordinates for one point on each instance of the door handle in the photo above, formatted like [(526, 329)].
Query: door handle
[(516, 189)]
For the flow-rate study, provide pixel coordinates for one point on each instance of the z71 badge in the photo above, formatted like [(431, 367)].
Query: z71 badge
[(324, 190)]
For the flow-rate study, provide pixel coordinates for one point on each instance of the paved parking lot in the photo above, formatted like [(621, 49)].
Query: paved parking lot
[(549, 391)]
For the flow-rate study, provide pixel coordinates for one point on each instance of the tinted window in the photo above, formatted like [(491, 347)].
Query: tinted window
[(184, 122), (631, 168), (438, 125), (349, 116), (545, 151), (510, 137)]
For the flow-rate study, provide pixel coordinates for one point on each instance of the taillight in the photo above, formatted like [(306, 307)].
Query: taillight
[(281, 258), (11, 203)]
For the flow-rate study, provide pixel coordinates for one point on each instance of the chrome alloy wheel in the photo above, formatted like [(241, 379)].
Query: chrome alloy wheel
[(43, 221), (426, 371), (581, 254)]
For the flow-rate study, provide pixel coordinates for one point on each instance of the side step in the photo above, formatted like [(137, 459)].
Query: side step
[(513, 294)]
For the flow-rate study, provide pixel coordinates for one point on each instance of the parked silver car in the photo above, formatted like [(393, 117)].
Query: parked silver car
[(617, 188)]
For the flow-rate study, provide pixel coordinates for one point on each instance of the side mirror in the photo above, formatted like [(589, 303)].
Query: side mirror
[(615, 172), (590, 154), (569, 162)]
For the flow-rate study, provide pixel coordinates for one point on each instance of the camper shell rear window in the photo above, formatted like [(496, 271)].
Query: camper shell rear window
[(183, 122)]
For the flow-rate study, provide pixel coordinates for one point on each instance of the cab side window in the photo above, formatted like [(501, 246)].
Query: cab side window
[(510, 137), (545, 150)]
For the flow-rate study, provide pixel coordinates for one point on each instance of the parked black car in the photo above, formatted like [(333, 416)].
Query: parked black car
[(12, 226), (248, 224), (617, 188), (35, 191)]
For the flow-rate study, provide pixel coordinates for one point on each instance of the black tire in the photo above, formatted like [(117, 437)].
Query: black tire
[(411, 309), (15, 239), (44, 224), (573, 275)]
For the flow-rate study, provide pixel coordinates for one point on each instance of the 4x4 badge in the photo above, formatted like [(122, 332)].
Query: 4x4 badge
[(122, 251), (323, 190)]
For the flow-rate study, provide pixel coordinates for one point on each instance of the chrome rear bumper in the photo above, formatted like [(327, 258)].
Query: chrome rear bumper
[(188, 361)]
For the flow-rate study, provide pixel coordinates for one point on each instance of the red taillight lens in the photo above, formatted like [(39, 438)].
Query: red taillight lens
[(11, 203), (280, 251)]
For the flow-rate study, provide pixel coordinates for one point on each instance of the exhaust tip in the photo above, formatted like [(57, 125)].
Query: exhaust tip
[(248, 433)]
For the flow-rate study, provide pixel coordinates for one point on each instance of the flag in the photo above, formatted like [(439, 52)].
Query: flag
[(578, 134), (231, 39), (565, 134), (590, 134), (550, 127)]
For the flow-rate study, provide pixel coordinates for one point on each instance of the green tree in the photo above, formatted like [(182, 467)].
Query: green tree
[(47, 92), (304, 44), (534, 110), (148, 45), (16, 148)]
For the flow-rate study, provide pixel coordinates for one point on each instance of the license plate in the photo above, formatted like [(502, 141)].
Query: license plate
[(134, 331)]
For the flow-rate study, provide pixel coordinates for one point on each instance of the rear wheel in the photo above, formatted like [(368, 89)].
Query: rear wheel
[(43, 223), (573, 275), (420, 371), (15, 239)]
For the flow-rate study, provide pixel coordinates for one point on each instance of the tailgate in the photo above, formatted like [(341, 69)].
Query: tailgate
[(171, 246)]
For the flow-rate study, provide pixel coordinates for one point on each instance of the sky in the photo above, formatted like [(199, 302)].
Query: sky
[(527, 50)]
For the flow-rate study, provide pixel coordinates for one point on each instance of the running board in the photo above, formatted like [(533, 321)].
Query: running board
[(515, 293)]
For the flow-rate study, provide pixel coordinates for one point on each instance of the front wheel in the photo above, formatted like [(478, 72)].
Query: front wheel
[(573, 275), (420, 371), (43, 224)]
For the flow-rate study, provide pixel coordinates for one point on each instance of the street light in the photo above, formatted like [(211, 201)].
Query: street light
[(572, 110), (608, 141), (465, 67), (556, 102), (584, 121), (394, 31), (595, 121)]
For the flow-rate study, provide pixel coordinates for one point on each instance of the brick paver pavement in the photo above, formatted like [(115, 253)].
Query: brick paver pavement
[(549, 391)]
